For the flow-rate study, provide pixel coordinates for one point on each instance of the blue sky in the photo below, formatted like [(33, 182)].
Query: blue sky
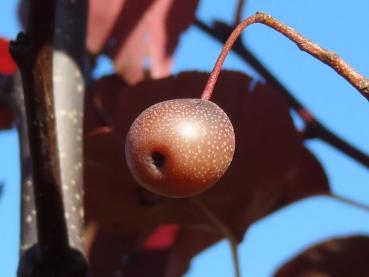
[(336, 25)]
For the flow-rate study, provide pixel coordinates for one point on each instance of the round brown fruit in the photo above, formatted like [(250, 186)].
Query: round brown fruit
[(181, 147)]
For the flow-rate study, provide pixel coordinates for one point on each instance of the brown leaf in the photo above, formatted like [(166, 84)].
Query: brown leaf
[(340, 257), (138, 33), (271, 167), (121, 216), (110, 192), (109, 256), (266, 139)]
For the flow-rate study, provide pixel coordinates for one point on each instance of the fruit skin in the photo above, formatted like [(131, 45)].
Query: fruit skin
[(180, 147)]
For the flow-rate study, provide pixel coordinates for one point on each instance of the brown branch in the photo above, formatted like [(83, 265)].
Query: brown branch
[(350, 202), (221, 31), (316, 130), (33, 54), (238, 14), (328, 57)]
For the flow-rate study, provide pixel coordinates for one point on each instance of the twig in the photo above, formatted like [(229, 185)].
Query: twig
[(328, 57), (224, 231), (350, 202), (33, 55), (321, 131), (316, 130)]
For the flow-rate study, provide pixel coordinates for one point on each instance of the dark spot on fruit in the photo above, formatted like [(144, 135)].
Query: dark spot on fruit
[(158, 159)]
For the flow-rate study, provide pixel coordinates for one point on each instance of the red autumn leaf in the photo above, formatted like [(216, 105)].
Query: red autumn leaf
[(271, 167), (140, 35), (340, 257), (7, 65)]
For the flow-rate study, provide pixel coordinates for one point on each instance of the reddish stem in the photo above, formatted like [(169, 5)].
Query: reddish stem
[(328, 57), (313, 129)]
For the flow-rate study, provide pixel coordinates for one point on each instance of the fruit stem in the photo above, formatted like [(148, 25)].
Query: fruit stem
[(328, 57), (224, 230)]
